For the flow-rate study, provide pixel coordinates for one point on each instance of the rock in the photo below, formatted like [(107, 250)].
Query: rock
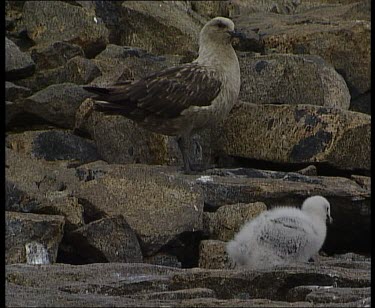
[(363, 181), (338, 295), (22, 229), (164, 259), (309, 170), (106, 240), (51, 22), (30, 179), (166, 27), (52, 145), (12, 110), (81, 71), (350, 203), (295, 79), (155, 220), (343, 43), (14, 93), (212, 255), (227, 220), (143, 285), (297, 134), (57, 104), (17, 63), (211, 9), (120, 140), (121, 63), (53, 55)]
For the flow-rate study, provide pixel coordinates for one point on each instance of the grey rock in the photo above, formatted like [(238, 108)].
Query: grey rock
[(105, 240), (14, 93), (17, 63), (12, 110), (22, 229), (338, 295), (53, 145), (48, 56), (156, 220), (297, 134), (212, 255), (296, 79), (141, 285), (323, 31), (81, 71), (48, 22), (57, 104)]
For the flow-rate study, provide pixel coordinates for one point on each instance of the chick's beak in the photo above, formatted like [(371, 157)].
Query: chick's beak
[(329, 219)]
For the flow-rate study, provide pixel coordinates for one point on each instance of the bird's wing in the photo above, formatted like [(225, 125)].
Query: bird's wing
[(285, 234), (163, 94)]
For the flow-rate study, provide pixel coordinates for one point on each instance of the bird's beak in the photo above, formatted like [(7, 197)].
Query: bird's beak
[(236, 34), (329, 220)]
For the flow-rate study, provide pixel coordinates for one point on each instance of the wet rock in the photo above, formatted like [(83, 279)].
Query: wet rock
[(52, 145), (22, 229), (295, 79), (57, 104), (48, 56), (17, 63), (227, 220), (51, 22), (297, 134), (106, 240), (122, 190)]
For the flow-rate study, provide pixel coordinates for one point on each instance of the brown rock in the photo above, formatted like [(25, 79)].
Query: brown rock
[(48, 22), (212, 255), (295, 79), (24, 229), (297, 134), (227, 220), (157, 207), (106, 240)]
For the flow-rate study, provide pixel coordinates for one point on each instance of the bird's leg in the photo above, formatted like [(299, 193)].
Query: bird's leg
[(183, 144)]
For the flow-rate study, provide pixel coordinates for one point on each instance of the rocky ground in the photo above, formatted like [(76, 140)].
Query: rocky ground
[(98, 211)]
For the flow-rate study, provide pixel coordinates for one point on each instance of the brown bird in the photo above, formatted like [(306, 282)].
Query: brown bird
[(180, 100)]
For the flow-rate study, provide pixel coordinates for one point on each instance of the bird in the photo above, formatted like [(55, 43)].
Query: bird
[(181, 100), (281, 236)]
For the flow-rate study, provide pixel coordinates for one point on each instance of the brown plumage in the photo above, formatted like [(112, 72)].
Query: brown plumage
[(180, 100)]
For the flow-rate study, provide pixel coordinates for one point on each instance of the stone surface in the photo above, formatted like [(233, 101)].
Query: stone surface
[(80, 70), (227, 220), (25, 228), (122, 190), (17, 63), (48, 22), (14, 93), (297, 134), (296, 79), (105, 240), (212, 255), (166, 28), (47, 56), (324, 31), (57, 104), (53, 145), (141, 285)]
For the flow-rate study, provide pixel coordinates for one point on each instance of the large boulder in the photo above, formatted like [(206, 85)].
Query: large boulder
[(48, 22), (18, 64), (297, 134), (291, 79)]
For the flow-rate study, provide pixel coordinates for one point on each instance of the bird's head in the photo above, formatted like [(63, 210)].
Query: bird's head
[(319, 206), (219, 30)]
